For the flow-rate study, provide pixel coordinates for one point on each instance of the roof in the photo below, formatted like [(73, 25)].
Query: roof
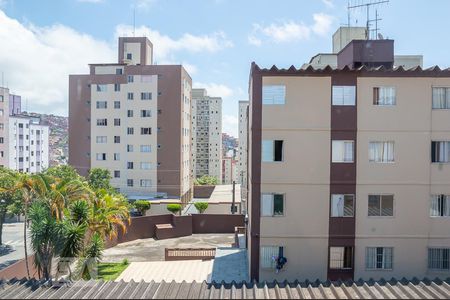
[(392, 289), (223, 193)]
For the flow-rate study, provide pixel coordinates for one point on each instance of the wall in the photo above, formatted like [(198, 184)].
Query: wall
[(18, 269), (202, 223), (203, 191)]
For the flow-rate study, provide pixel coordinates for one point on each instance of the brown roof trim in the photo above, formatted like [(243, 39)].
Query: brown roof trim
[(434, 71)]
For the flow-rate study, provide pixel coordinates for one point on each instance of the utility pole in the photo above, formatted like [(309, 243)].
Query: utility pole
[(233, 209)]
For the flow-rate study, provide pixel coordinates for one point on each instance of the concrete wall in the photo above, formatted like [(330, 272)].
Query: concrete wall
[(202, 223)]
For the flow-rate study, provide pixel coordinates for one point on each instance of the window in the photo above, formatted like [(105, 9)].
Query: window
[(344, 95), (145, 166), (116, 104), (116, 156), (116, 122), (101, 139), (130, 165), (101, 156), (381, 152), (102, 122), (274, 94), (1, 112), (130, 182), (269, 255), (272, 205), (146, 183), (130, 96), (2, 126), (130, 113), (1, 98), (130, 130), (146, 130), (116, 139), (381, 206), (129, 56), (384, 96), (342, 205), (146, 96), (129, 148), (440, 206), (342, 151), (341, 257), (439, 259), (116, 174), (145, 113), (441, 98), (440, 152), (379, 258), (272, 150), (101, 87), (118, 71), (130, 78), (116, 87), (146, 148)]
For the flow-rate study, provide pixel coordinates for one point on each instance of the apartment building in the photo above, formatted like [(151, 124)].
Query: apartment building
[(24, 140), (134, 119), (241, 175), (349, 169), (207, 134), (228, 170)]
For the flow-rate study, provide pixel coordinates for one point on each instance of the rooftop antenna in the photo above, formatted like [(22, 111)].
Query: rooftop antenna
[(134, 20), (367, 4)]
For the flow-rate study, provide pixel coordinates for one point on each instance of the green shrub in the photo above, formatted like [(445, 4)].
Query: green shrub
[(206, 180), (201, 206), (142, 206), (174, 208)]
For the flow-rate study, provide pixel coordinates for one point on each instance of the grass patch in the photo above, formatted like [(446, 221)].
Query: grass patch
[(110, 271)]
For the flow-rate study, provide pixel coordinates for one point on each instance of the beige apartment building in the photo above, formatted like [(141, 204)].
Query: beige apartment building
[(349, 169), (207, 134), (241, 175), (134, 119)]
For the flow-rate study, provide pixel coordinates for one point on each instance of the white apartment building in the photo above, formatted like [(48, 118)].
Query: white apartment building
[(241, 175), (207, 140), (228, 170), (4, 118)]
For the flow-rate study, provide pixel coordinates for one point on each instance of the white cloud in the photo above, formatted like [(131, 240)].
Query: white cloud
[(190, 68), (144, 4), (322, 23), (230, 125), (328, 3), (215, 90), (288, 31), (91, 1), (36, 61), (164, 45)]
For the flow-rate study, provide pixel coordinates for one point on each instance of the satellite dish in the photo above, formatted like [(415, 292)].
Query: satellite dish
[(380, 36)]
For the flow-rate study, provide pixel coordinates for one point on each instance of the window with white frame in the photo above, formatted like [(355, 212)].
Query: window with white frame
[(343, 95), (381, 206), (146, 183), (116, 87), (146, 113), (272, 150), (439, 259), (101, 156), (379, 258), (130, 96), (384, 96), (146, 130), (341, 257), (440, 152), (102, 104), (130, 78), (116, 104), (146, 96), (440, 206), (381, 152), (146, 165), (272, 205), (342, 205), (441, 98), (146, 148), (101, 139), (101, 87), (273, 94), (102, 122), (116, 156), (342, 151), (269, 255)]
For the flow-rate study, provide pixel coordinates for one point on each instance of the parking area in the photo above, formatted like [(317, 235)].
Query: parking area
[(146, 250)]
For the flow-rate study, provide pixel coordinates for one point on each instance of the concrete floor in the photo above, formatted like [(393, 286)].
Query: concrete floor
[(153, 250)]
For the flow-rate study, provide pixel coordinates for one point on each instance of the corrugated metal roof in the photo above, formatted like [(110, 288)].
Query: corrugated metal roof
[(392, 289)]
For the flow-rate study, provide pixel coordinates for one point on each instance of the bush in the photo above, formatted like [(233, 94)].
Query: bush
[(206, 180), (142, 206), (174, 208), (201, 206)]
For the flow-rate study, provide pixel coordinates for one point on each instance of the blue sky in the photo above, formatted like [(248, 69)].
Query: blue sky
[(44, 41)]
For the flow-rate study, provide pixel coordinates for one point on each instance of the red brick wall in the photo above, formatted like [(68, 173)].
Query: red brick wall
[(19, 270)]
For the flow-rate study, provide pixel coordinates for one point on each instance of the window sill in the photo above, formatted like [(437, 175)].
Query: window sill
[(342, 217), (382, 162), (343, 162), (381, 217), (387, 270), (274, 216)]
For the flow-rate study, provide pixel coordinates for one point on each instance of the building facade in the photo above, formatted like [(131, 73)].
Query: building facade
[(241, 175), (349, 169), (207, 134), (228, 170), (134, 119)]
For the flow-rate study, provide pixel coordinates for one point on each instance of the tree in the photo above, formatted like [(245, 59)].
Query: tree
[(142, 206), (64, 172), (99, 179), (201, 206), (9, 200), (206, 180), (174, 208)]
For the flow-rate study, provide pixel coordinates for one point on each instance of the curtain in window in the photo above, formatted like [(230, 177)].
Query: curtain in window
[(336, 257), (439, 98), (267, 150), (348, 153), (381, 151), (387, 96), (387, 257), (337, 205), (267, 205), (338, 151), (268, 253), (444, 150), (371, 254)]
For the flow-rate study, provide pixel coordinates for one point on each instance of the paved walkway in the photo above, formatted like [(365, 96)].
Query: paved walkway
[(230, 264)]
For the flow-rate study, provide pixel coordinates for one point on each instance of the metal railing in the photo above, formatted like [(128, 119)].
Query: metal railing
[(172, 254)]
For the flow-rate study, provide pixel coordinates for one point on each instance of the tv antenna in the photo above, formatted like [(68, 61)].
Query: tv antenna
[(134, 20), (367, 4)]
